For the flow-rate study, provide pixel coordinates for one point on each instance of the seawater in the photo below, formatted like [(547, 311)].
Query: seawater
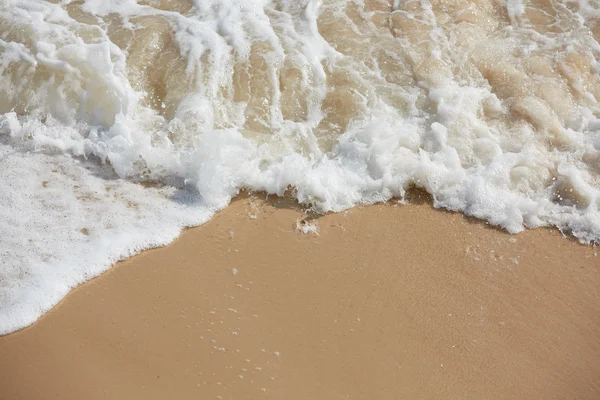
[(123, 121)]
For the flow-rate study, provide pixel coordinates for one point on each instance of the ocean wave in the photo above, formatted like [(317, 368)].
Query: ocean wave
[(122, 121)]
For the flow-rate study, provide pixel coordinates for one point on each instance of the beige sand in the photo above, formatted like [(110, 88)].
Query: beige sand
[(387, 302)]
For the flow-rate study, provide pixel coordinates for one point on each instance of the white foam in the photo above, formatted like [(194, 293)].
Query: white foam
[(66, 220), (306, 227), (347, 102)]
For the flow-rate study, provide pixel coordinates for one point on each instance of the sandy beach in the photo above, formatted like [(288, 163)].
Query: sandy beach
[(123, 122), (383, 302)]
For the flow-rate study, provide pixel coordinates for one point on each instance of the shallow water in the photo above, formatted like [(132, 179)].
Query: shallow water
[(124, 121)]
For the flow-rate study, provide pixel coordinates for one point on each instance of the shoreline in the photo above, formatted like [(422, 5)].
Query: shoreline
[(387, 301)]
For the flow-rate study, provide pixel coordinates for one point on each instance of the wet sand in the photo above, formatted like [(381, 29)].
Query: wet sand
[(386, 302)]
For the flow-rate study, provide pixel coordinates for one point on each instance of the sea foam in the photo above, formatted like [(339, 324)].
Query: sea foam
[(124, 121)]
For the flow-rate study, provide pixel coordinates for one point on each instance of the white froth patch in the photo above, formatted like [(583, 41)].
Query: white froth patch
[(494, 113), (64, 222), (306, 227)]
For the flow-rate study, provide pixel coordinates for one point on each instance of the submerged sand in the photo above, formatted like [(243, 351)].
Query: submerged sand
[(385, 302)]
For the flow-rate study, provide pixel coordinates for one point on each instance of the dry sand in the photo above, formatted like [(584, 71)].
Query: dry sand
[(386, 302)]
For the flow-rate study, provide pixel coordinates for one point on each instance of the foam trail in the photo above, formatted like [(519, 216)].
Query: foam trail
[(123, 121)]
